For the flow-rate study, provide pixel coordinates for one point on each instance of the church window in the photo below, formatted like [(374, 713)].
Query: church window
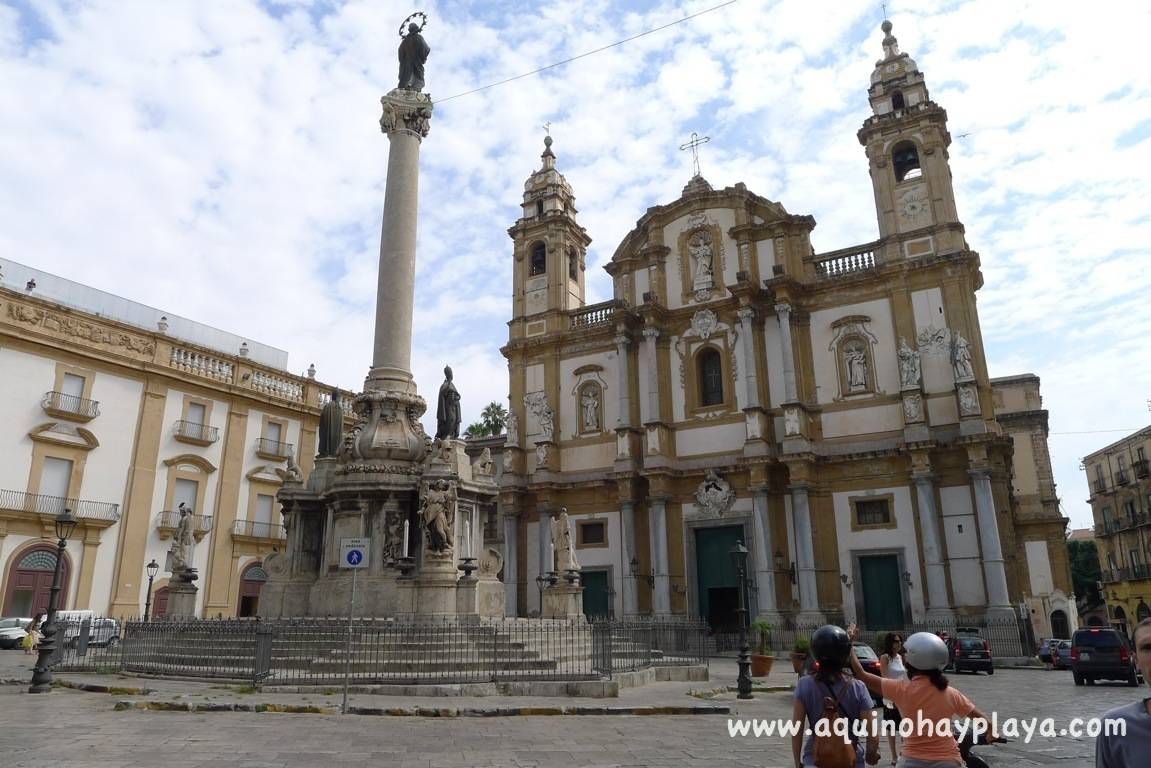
[(897, 100), (539, 259), (592, 533), (872, 512), (905, 161), (539, 207), (710, 377)]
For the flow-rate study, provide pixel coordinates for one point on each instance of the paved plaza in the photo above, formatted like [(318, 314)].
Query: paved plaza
[(72, 728)]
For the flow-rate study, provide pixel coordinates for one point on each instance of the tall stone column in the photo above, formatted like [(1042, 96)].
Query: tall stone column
[(624, 380), (650, 409), (511, 564), (764, 567), (748, 368), (805, 557), (937, 605), (993, 571), (630, 587), (657, 525), (406, 122), (783, 314)]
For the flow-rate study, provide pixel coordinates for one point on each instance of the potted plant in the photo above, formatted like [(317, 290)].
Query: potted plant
[(799, 653), (761, 661)]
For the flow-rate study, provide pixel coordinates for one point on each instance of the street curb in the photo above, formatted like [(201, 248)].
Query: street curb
[(442, 712), (115, 690)]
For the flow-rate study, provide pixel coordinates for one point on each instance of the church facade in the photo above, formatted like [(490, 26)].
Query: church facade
[(833, 412)]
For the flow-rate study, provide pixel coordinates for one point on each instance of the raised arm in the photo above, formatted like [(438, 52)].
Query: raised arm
[(873, 683)]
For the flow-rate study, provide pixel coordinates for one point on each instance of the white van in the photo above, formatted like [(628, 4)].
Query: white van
[(100, 631)]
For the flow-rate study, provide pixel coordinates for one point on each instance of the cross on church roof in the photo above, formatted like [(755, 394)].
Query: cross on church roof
[(694, 145)]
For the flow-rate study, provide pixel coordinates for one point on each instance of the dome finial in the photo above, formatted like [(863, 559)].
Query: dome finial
[(890, 44)]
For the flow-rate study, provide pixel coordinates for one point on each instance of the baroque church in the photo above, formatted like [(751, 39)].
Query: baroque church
[(833, 412)]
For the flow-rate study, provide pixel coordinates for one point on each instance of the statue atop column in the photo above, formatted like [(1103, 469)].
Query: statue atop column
[(331, 426), (413, 54), (448, 408)]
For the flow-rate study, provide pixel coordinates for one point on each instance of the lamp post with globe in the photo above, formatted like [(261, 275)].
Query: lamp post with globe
[(151, 569), (743, 681), (42, 672)]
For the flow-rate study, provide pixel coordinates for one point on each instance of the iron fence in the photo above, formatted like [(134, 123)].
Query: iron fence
[(321, 651)]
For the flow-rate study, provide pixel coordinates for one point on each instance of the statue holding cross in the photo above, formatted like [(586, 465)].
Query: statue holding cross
[(696, 142)]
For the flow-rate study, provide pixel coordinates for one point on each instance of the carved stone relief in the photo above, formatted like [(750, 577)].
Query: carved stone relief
[(537, 404), (913, 407), (934, 341), (909, 365), (968, 400), (714, 497)]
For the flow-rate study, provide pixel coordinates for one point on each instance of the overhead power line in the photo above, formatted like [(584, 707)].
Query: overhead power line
[(589, 53)]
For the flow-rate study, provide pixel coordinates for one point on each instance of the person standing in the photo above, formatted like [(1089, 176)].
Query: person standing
[(1130, 750), (32, 638), (891, 665)]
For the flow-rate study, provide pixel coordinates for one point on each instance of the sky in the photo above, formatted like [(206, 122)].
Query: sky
[(222, 160)]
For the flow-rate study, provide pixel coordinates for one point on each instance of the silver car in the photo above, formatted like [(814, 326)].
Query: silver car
[(13, 630)]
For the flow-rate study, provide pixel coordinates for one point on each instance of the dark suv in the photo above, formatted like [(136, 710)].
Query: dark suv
[(1101, 653), (969, 651)]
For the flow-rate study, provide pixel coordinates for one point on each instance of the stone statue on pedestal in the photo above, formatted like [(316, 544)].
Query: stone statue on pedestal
[(331, 426), (438, 514), (180, 553), (413, 54), (448, 408), (563, 544)]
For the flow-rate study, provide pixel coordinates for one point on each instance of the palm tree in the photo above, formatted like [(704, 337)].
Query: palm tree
[(494, 417), (476, 429)]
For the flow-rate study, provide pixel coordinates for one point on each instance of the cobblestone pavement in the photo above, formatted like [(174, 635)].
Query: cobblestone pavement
[(68, 728)]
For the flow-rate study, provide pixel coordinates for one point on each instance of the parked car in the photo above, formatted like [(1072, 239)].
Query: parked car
[(869, 660), (968, 651), (13, 630), (1102, 653), (101, 632), (1061, 655)]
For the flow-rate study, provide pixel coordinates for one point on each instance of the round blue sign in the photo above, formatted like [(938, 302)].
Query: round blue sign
[(354, 557)]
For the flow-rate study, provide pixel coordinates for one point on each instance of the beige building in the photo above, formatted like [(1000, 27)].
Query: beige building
[(120, 414), (831, 411), (1119, 480)]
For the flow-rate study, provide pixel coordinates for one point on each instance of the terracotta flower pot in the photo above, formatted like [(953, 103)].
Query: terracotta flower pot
[(797, 661), (761, 665)]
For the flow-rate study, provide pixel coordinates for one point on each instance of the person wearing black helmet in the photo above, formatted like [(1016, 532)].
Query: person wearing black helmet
[(926, 696), (1122, 751), (828, 684)]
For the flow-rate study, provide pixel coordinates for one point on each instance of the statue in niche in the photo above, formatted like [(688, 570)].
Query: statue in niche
[(437, 511), (791, 421), (589, 404), (331, 426), (961, 358), (413, 55), (448, 408), (699, 247), (393, 534), (909, 365), (855, 362), (563, 543)]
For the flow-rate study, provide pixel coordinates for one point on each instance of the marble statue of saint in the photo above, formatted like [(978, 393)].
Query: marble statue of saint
[(438, 515), (183, 540), (563, 543), (331, 426), (413, 54), (855, 358), (448, 408), (699, 246), (590, 405), (961, 358), (908, 365)]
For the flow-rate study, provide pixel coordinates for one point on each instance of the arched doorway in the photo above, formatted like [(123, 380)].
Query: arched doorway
[(1142, 611), (1120, 620), (251, 582), (1059, 626), (30, 582)]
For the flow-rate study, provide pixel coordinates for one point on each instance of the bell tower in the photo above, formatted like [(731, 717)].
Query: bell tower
[(550, 251), (906, 141)]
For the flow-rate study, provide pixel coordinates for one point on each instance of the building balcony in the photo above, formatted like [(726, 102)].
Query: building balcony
[(69, 407), (1100, 485), (168, 520), (1105, 528), (1112, 575), (1139, 572), (273, 450), (196, 434), (96, 514), (1121, 478), (255, 530), (1141, 469)]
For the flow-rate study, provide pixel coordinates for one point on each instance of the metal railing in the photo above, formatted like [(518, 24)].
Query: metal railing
[(258, 529), (1100, 485), (64, 403), (193, 431), (1106, 528), (273, 447), (1121, 478), (53, 505), (318, 651), (170, 518), (1140, 468)]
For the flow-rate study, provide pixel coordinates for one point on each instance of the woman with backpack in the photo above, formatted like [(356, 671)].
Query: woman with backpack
[(828, 693), (924, 696)]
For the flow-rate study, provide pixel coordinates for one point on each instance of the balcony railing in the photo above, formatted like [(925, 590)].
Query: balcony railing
[(191, 432), (1121, 478), (591, 316), (169, 520), (1105, 528), (1100, 485), (256, 529), (1140, 571), (1113, 575), (273, 449), (69, 406), (1141, 469), (38, 503), (846, 262)]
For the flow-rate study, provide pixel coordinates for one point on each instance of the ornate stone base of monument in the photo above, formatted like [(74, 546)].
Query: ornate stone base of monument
[(563, 601), (181, 600), (433, 591)]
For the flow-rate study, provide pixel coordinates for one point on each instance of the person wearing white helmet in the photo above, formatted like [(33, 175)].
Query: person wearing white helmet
[(926, 696), (1131, 748)]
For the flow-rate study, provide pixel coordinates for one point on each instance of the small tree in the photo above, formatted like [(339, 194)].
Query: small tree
[(762, 630), (494, 417)]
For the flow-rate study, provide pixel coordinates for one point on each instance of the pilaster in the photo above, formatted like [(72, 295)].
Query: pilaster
[(218, 581)]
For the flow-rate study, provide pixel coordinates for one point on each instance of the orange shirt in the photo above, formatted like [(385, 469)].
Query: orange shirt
[(918, 695)]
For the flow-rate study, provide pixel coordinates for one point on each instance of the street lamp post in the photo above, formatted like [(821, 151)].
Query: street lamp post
[(152, 569), (42, 672), (743, 681)]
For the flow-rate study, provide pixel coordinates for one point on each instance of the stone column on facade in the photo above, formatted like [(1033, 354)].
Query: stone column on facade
[(809, 612), (405, 121), (783, 314), (624, 380), (545, 544), (630, 587), (764, 567), (650, 409), (748, 368), (937, 605), (511, 570), (657, 528), (998, 602)]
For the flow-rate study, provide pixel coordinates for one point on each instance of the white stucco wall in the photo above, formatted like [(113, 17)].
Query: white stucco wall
[(710, 439), (1039, 568), (862, 421), (964, 563), (927, 307)]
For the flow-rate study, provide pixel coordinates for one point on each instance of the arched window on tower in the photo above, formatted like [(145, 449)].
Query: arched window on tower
[(905, 161), (710, 377), (573, 264), (539, 259), (897, 100)]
